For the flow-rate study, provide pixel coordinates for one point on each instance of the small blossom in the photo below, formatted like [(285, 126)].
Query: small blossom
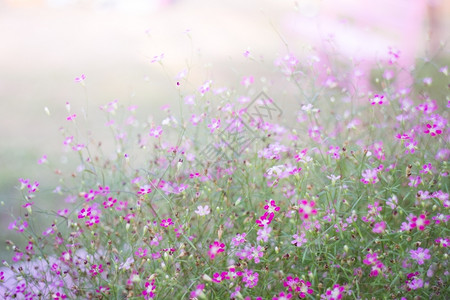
[(337, 292), (379, 227), (334, 152), (432, 130), (80, 79), (96, 269), (195, 294), (307, 209), (215, 123), (215, 248), (202, 210), (141, 252), (155, 132), (420, 255), (239, 239), (250, 278), (377, 99), (282, 296), (299, 240), (420, 222), (166, 223)]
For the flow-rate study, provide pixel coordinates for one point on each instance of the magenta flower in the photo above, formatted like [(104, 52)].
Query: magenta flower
[(432, 130), (250, 278), (239, 239), (304, 288), (198, 291), (337, 292), (283, 296), (414, 181), (80, 79), (377, 99), (110, 202), (427, 168), (334, 152), (271, 208), (420, 222), (379, 227), (85, 212), (371, 259), (299, 240), (307, 209), (264, 220), (411, 147), (420, 255), (371, 175), (148, 292), (156, 132), (141, 252), (166, 223), (96, 269), (19, 225), (215, 123), (215, 248), (146, 189)]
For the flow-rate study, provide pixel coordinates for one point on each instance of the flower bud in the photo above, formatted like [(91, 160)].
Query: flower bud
[(206, 278)]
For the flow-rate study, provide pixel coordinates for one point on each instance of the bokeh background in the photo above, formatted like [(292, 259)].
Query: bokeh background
[(45, 44)]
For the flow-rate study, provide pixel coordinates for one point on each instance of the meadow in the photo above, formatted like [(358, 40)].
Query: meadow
[(229, 198)]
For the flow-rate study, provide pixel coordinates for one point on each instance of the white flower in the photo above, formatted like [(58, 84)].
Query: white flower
[(202, 210)]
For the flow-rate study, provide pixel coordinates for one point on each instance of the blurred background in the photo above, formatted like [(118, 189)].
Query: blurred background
[(46, 44)]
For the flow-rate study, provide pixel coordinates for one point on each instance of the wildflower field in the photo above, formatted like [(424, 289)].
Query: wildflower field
[(229, 198)]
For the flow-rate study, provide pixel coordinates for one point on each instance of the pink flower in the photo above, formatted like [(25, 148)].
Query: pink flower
[(433, 130), (410, 147), (157, 58), (166, 223), (156, 132), (283, 296), (247, 81), (202, 210), (148, 292), (96, 269), (337, 292), (377, 99), (85, 212), (196, 119), (271, 208), (307, 208), (334, 152), (420, 222), (80, 79), (141, 252), (299, 240), (264, 220), (371, 259), (420, 255), (414, 181), (263, 234), (215, 248), (239, 239), (426, 168), (250, 278), (146, 189), (215, 123), (198, 291), (379, 227), (110, 202), (17, 256)]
